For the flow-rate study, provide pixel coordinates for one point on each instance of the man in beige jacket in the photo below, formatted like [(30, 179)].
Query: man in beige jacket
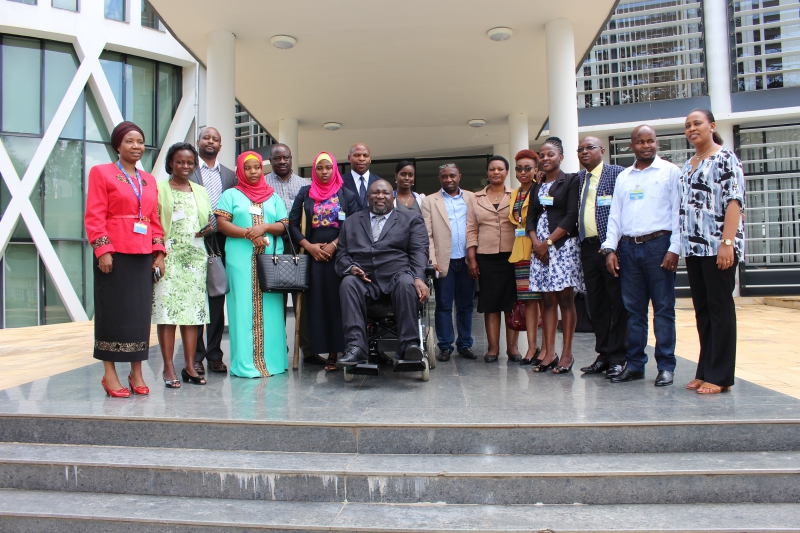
[(445, 213)]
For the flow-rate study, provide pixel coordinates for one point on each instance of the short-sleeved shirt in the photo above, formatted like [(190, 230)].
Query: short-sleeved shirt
[(705, 195)]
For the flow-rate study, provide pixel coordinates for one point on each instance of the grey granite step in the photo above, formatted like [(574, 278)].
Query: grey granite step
[(722, 477), (35, 511), (429, 433)]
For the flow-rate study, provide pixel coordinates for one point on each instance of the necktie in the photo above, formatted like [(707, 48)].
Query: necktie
[(581, 227), (363, 191), (377, 227), (213, 185)]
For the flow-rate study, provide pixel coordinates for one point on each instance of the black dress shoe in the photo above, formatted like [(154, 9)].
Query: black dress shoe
[(614, 371), (514, 357), (217, 366), (314, 359), (595, 368), (198, 367), (353, 355), (467, 353), (412, 353), (490, 358), (664, 378), (444, 355), (628, 375)]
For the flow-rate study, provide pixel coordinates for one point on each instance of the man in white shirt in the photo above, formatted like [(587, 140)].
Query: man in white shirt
[(644, 231), (360, 179)]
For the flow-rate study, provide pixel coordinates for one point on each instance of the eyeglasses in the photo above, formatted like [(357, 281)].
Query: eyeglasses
[(447, 165), (588, 148), (526, 169)]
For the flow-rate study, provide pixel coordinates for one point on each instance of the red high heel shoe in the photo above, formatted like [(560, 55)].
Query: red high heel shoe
[(121, 393), (137, 390)]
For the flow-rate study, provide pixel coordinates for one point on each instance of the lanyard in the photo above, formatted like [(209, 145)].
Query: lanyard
[(138, 192)]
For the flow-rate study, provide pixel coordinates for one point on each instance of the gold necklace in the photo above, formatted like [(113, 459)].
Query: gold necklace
[(402, 200), (172, 181), (699, 158)]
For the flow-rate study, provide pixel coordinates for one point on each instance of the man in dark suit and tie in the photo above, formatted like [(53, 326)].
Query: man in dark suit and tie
[(360, 179), (609, 317), (381, 251), (216, 179)]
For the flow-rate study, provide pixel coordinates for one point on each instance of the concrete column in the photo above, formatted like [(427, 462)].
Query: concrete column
[(287, 134), (561, 90), (517, 140), (221, 92), (718, 56)]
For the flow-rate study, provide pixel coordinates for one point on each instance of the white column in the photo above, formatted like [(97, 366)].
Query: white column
[(561, 89), (718, 57), (517, 140), (503, 150), (221, 92), (287, 134)]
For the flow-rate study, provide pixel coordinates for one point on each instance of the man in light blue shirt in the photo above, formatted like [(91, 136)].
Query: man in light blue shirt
[(644, 230), (445, 213)]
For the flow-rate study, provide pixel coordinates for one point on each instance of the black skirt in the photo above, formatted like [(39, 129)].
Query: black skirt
[(123, 302), (498, 283), (321, 302)]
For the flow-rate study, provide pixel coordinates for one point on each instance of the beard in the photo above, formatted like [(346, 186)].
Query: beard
[(380, 210)]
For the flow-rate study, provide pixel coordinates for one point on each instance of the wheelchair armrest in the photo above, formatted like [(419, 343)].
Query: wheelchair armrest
[(430, 272)]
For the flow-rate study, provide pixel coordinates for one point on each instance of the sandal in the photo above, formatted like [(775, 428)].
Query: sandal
[(171, 383), (330, 363), (711, 388), (695, 384)]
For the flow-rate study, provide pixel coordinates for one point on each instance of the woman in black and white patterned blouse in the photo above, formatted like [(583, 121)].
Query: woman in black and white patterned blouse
[(712, 241)]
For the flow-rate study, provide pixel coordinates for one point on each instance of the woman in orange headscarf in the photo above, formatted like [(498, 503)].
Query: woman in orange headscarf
[(251, 216)]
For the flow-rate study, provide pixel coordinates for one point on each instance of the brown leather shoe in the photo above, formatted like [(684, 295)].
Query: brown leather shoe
[(217, 366), (198, 367)]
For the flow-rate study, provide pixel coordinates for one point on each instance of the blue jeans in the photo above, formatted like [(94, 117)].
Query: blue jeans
[(643, 280), (458, 286)]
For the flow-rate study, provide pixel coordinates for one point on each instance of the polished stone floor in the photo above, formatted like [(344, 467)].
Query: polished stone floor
[(459, 392)]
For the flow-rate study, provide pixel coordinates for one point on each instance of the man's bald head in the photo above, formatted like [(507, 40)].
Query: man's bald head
[(644, 144), (359, 158), (590, 152)]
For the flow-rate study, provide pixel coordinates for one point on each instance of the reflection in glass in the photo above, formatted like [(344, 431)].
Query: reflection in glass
[(149, 16), (115, 10), (70, 5), (149, 159), (95, 125), (22, 75), (169, 94), (98, 154), (70, 254), (20, 151), (112, 67), (60, 66), (140, 78), (21, 286), (63, 191), (89, 259)]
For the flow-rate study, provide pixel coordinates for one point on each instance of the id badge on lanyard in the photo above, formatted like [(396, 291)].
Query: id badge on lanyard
[(139, 227)]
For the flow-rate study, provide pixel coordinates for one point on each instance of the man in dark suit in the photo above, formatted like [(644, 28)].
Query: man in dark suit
[(216, 179), (609, 317), (360, 179), (381, 251)]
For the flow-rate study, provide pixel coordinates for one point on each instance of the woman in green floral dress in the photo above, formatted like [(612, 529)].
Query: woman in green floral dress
[(180, 299)]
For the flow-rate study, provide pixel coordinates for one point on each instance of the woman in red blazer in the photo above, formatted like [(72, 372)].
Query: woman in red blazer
[(123, 227)]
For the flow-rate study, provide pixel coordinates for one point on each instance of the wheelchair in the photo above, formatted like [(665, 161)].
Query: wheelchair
[(382, 337)]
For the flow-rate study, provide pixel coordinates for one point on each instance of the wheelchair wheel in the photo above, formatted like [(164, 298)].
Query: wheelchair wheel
[(348, 377), (426, 374), (430, 347)]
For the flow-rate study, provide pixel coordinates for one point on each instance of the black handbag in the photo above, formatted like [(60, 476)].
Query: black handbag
[(216, 277), (285, 273)]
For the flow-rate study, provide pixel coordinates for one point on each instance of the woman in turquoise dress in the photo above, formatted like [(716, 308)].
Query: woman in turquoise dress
[(251, 216), (180, 299)]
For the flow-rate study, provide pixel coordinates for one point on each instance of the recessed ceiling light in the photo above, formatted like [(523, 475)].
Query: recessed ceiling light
[(477, 122), (284, 42), (332, 126), (500, 34)]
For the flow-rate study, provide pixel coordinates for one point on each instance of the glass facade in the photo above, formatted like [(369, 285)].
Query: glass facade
[(771, 161), (766, 44), (115, 9), (69, 5), (650, 50), (34, 78), (150, 17), (672, 147)]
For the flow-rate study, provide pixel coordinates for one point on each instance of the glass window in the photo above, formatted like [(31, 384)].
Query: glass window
[(70, 254), (63, 191), (29, 2), (149, 16), (169, 95), (149, 159), (140, 82), (22, 77), (70, 5), (88, 255), (115, 10), (97, 154), (73, 129), (95, 125), (113, 67), (21, 273), (20, 151), (60, 66)]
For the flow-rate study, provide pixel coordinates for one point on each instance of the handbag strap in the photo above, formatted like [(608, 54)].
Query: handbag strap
[(291, 243), (213, 250)]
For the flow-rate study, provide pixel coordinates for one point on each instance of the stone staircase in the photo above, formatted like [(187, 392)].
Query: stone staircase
[(87, 474)]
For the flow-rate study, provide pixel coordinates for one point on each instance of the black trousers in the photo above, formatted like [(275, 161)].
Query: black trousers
[(609, 316), (210, 349), (715, 312), (354, 293)]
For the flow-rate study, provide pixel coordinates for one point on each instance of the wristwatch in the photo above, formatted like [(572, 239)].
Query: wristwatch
[(549, 242), (607, 251), (727, 242)]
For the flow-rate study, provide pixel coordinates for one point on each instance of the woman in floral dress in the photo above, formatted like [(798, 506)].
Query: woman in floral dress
[(180, 299)]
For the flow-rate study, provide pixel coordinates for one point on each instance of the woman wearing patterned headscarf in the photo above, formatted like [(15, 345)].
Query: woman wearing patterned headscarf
[(251, 216), (326, 204)]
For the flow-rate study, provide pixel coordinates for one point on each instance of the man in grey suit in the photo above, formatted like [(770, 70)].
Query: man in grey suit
[(216, 179), (381, 251)]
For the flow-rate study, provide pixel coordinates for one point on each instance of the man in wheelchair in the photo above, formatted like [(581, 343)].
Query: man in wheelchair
[(381, 251)]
